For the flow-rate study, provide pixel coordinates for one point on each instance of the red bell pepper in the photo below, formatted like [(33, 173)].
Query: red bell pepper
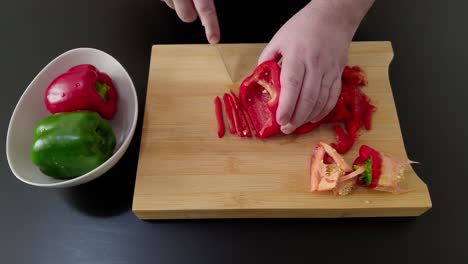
[(82, 87), (259, 95), (219, 117)]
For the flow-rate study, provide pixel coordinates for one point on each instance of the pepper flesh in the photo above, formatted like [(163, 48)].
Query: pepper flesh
[(259, 95), (228, 107), (242, 127), (67, 145), (82, 87), (343, 141), (325, 177)]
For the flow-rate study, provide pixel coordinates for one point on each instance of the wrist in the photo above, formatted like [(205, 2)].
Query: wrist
[(346, 14)]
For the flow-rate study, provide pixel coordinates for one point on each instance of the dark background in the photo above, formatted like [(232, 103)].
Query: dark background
[(93, 223)]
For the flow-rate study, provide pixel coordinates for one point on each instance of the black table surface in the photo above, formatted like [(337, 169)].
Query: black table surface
[(93, 223)]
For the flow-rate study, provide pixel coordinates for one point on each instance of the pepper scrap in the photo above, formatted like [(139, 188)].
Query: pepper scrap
[(259, 96), (387, 172), (372, 169), (219, 116), (330, 177), (67, 145), (82, 87), (366, 153)]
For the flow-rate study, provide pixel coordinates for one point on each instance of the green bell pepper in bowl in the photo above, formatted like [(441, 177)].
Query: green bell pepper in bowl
[(69, 144)]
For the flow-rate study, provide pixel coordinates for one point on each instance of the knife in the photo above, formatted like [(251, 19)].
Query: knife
[(224, 62)]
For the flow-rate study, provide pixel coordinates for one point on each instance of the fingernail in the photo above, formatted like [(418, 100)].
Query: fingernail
[(287, 129)]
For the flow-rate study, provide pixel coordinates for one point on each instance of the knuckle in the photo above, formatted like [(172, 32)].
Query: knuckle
[(206, 10), (293, 81), (314, 60), (309, 102)]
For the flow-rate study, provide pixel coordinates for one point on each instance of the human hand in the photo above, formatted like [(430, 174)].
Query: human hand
[(314, 47), (189, 10)]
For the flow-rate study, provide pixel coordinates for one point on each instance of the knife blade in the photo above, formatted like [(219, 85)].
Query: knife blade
[(224, 62)]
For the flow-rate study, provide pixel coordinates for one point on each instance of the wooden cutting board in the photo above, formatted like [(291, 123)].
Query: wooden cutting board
[(186, 171)]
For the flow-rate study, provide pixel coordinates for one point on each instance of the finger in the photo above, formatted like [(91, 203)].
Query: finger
[(185, 10), (169, 3), (291, 77), (335, 91), (307, 99), (270, 52), (207, 12), (326, 84)]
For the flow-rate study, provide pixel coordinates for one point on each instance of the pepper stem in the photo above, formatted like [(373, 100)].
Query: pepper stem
[(102, 90)]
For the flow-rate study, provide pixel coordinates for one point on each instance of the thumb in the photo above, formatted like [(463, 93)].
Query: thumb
[(270, 52)]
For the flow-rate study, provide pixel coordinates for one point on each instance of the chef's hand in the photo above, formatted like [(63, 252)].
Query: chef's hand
[(189, 10), (314, 47)]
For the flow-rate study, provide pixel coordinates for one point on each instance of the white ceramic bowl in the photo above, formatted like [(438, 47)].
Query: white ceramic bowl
[(31, 109)]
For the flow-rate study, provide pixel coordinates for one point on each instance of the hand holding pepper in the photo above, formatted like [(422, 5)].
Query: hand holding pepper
[(314, 46), (189, 10)]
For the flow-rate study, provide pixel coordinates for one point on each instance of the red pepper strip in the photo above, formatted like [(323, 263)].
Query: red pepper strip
[(366, 152), (219, 116), (243, 129), (306, 128), (235, 114), (343, 141), (227, 104), (368, 117)]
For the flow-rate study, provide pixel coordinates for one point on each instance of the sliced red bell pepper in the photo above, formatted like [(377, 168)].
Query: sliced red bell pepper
[(242, 127), (259, 95), (354, 76), (306, 128), (230, 115), (343, 141), (366, 153), (219, 117), (340, 112), (82, 87)]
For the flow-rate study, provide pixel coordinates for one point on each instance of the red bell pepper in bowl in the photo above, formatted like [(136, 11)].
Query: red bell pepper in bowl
[(82, 87)]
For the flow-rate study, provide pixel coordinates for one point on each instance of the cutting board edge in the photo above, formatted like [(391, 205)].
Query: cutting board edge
[(280, 213), (424, 205)]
